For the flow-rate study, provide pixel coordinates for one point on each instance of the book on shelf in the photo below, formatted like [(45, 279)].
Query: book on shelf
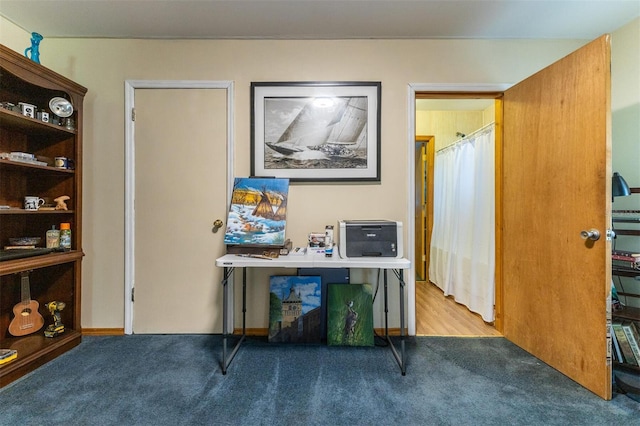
[(625, 347), (633, 338), (625, 258), (628, 256), (625, 264), (7, 355), (635, 329), (617, 354)]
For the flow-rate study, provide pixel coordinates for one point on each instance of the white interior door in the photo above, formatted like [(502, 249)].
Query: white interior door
[(180, 190)]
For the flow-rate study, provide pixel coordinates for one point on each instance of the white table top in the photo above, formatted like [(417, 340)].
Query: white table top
[(310, 260)]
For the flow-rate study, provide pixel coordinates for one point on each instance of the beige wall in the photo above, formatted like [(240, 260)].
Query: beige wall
[(13, 37), (625, 108), (444, 125), (103, 65)]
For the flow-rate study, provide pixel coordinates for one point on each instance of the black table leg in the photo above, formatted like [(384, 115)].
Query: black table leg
[(400, 357), (226, 360)]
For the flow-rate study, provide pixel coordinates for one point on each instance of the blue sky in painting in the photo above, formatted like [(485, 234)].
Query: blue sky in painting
[(308, 287), (276, 185), (243, 227)]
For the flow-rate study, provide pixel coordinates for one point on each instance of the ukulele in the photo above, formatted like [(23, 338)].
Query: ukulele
[(27, 319)]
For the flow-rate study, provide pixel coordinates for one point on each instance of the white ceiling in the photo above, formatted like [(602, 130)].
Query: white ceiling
[(324, 19), (320, 19)]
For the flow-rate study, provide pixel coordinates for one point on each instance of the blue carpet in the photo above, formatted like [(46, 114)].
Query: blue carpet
[(177, 380)]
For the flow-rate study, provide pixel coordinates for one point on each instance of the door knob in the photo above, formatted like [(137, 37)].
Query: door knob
[(217, 224), (591, 234)]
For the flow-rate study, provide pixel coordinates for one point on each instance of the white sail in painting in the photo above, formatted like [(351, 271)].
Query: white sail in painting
[(352, 121), (314, 129)]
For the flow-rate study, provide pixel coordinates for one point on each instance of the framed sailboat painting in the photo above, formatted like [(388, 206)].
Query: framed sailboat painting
[(257, 212), (316, 131)]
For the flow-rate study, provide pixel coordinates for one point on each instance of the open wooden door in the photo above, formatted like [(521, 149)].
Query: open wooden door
[(556, 183), (423, 156)]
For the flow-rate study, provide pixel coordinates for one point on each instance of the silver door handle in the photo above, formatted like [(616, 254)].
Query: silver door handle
[(591, 234)]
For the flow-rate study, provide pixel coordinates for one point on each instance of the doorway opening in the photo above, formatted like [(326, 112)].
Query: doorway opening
[(442, 120), (542, 140)]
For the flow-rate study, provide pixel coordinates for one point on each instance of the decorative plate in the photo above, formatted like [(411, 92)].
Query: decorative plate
[(61, 107)]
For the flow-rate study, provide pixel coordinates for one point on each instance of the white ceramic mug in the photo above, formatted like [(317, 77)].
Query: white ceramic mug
[(33, 203)]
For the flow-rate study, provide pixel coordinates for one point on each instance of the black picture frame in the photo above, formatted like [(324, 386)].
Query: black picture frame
[(316, 131)]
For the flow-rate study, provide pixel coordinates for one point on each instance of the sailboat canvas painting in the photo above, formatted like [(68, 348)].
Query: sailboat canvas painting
[(316, 131), (257, 212)]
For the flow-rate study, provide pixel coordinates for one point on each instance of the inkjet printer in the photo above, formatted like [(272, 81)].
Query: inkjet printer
[(369, 238)]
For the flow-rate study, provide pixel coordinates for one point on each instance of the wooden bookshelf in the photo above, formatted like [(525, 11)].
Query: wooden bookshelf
[(53, 276), (626, 224)]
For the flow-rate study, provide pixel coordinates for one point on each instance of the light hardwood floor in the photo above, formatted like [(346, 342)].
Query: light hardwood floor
[(437, 315)]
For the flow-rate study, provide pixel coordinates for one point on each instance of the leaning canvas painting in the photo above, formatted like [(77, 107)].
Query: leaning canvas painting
[(258, 211), (294, 309), (350, 315)]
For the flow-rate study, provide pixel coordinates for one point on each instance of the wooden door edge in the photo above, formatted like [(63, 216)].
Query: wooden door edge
[(499, 290)]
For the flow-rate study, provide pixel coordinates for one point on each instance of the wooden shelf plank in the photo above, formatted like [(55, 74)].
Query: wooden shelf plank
[(33, 167), (23, 211), (627, 313), (625, 272), (34, 351), (12, 266), (630, 219), (635, 232), (15, 120)]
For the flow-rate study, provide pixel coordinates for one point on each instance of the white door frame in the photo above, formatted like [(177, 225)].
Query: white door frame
[(411, 140), (129, 162)]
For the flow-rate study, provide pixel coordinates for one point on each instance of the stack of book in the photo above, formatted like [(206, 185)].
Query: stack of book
[(625, 259), (7, 355), (625, 338)]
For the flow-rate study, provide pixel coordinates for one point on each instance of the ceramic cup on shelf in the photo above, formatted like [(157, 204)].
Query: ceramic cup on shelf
[(33, 203), (64, 163), (61, 162)]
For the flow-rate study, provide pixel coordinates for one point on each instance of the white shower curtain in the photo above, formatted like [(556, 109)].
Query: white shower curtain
[(462, 261)]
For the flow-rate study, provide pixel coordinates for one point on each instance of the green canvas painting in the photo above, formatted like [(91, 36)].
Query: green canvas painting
[(350, 315)]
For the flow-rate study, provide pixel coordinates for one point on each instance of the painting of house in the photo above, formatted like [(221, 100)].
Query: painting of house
[(294, 309)]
